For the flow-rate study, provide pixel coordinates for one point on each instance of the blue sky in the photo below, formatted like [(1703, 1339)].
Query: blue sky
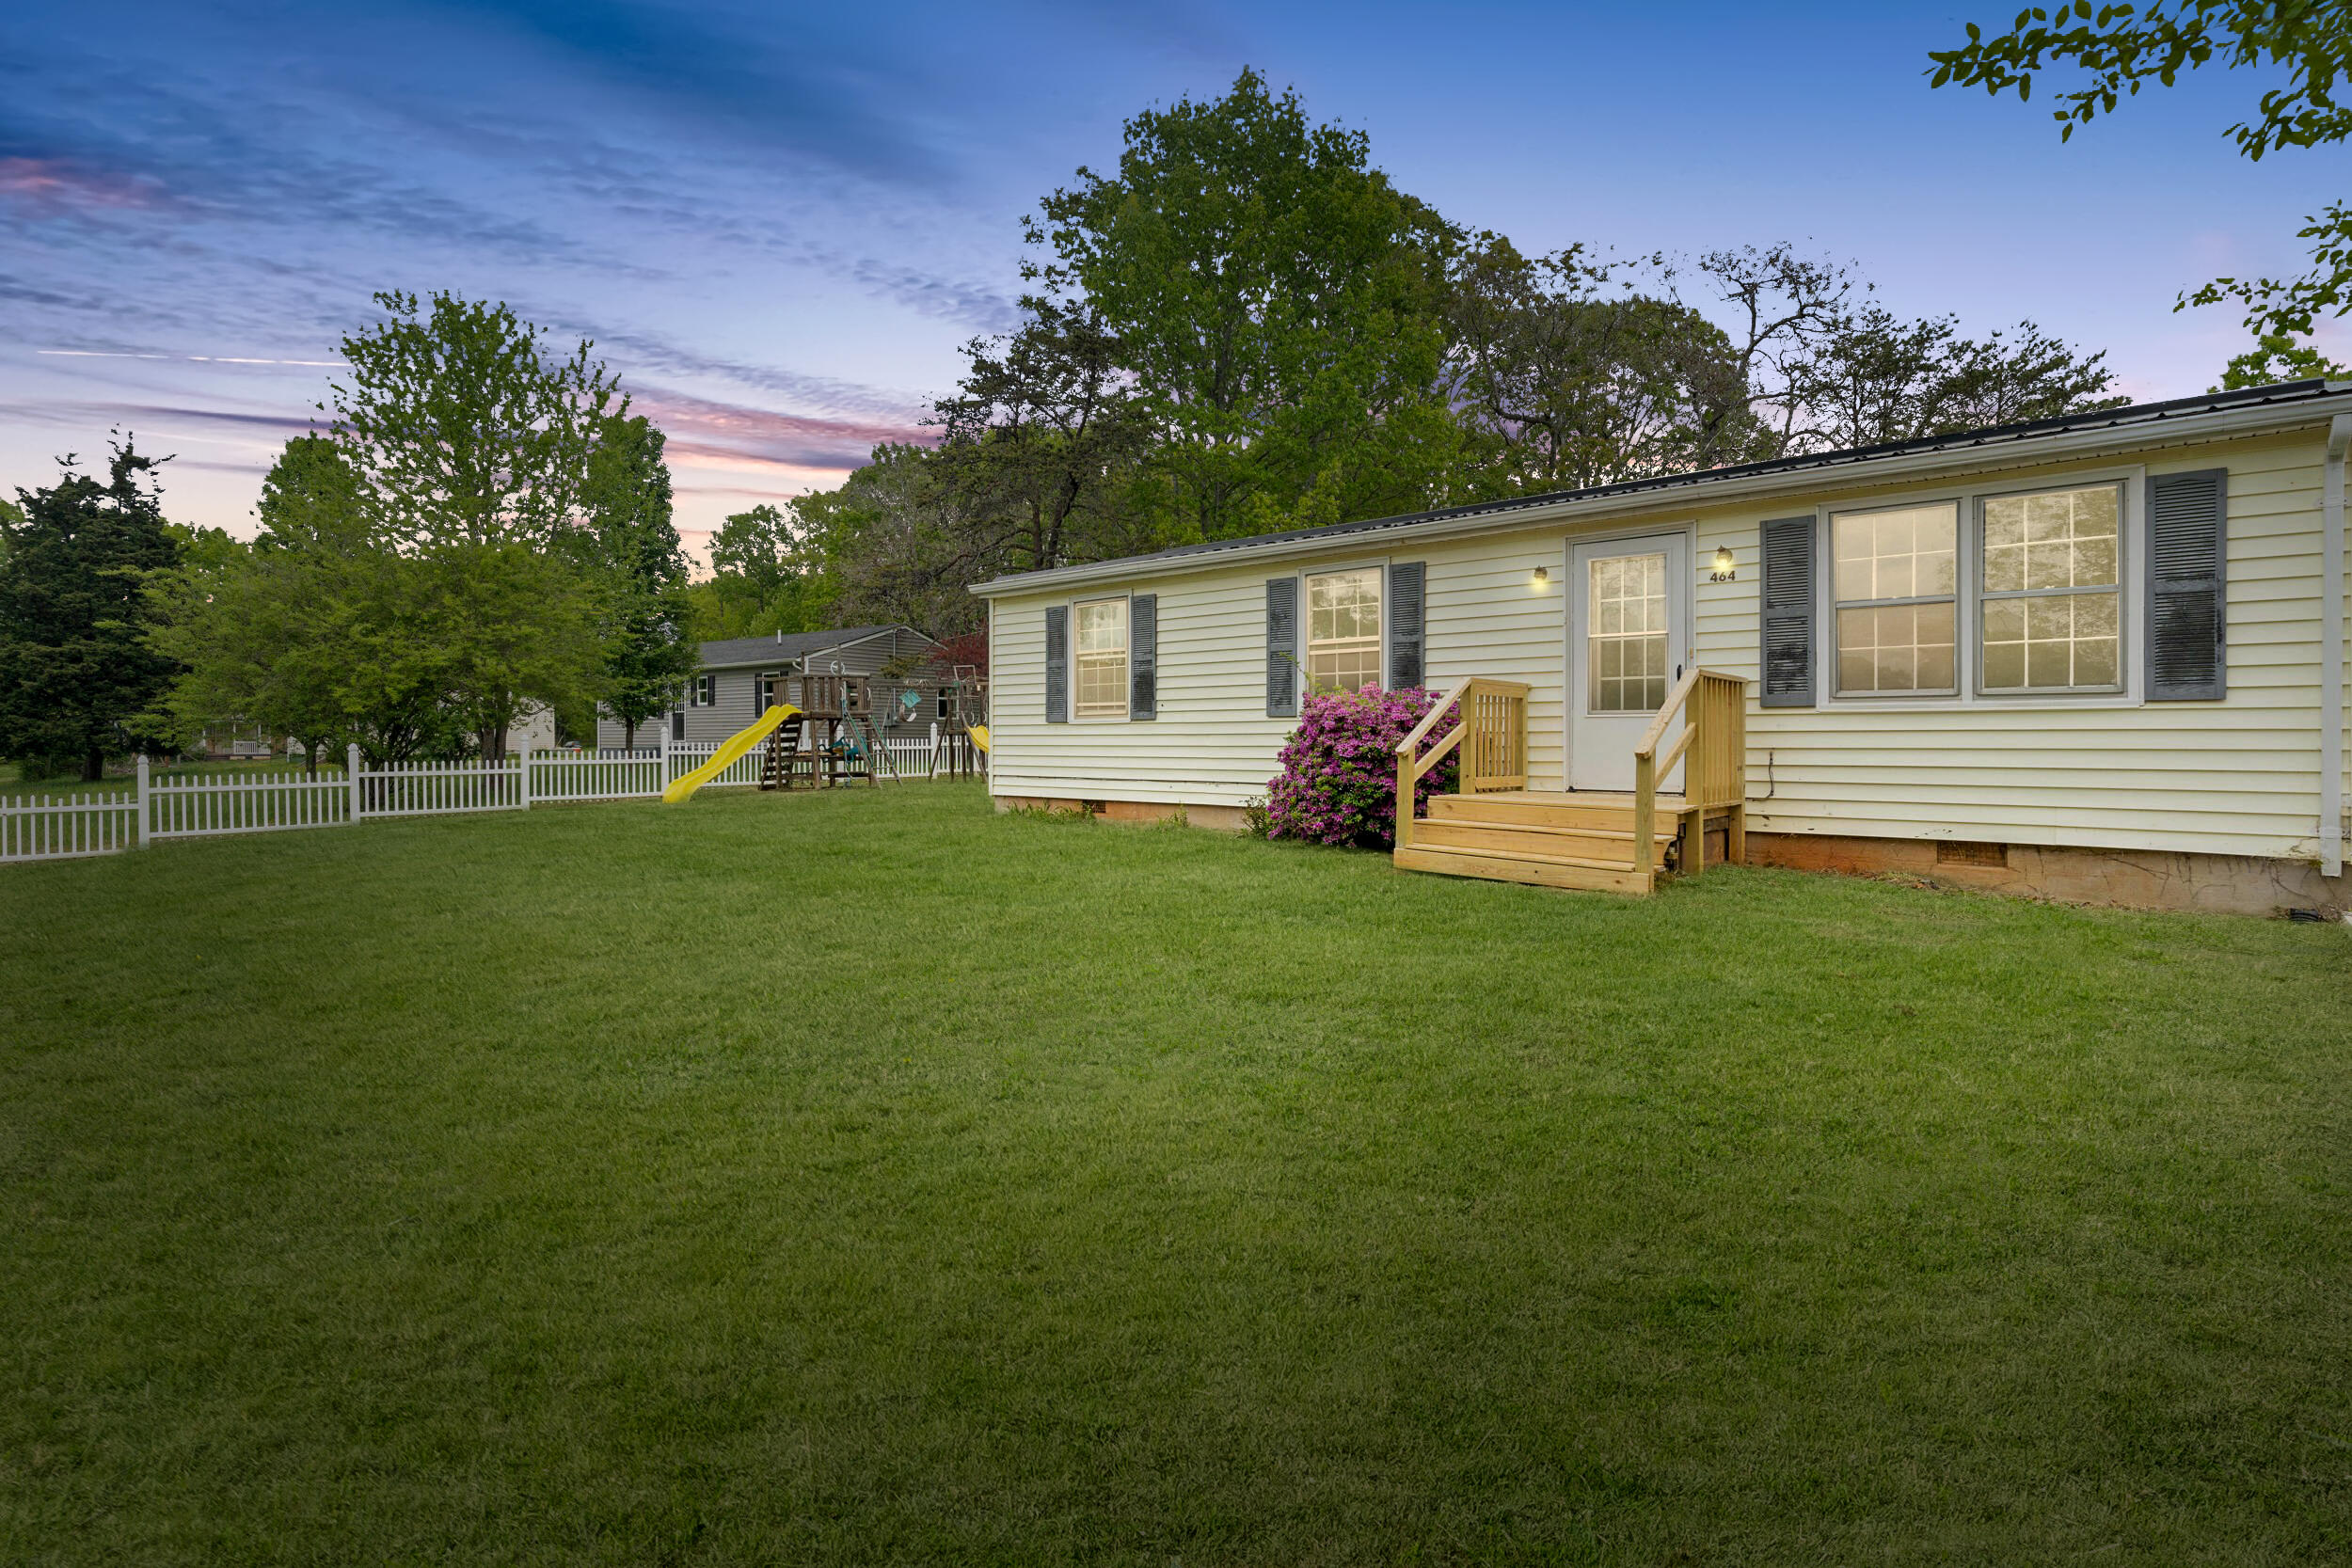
[(779, 223)]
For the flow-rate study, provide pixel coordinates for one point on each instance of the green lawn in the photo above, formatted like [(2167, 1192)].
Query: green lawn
[(867, 1178)]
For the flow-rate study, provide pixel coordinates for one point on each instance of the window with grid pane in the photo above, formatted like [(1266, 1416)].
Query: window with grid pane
[(2053, 599), (1102, 658), (1344, 630), (1624, 652), (1893, 579)]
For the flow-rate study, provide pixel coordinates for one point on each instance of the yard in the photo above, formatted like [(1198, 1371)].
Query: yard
[(867, 1178)]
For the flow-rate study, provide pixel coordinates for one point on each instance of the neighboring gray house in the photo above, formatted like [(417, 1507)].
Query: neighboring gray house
[(725, 695)]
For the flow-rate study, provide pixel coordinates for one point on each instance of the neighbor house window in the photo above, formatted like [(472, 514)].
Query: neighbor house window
[(2053, 591), (1344, 630), (1102, 655), (703, 692), (1893, 579)]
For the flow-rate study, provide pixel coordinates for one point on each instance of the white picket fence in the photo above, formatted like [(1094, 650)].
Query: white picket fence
[(59, 826)]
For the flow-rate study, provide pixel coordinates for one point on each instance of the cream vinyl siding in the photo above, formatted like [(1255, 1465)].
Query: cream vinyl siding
[(2238, 776)]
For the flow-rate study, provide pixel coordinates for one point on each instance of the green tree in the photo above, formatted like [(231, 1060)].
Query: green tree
[(1874, 378), (2276, 358), (1042, 444), (76, 673), (1566, 379), (314, 630), (895, 544), (461, 426), (633, 547), (1280, 305), (765, 577), (2121, 48), (471, 447)]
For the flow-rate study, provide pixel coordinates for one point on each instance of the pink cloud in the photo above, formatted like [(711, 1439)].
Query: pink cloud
[(703, 430), (51, 182)]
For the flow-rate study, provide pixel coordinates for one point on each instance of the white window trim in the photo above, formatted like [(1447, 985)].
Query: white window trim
[(1127, 687), (1376, 563), (1968, 618)]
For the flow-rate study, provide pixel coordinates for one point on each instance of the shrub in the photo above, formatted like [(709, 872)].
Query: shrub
[(1338, 783)]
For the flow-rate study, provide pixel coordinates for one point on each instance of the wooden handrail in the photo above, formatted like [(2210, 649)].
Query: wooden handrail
[(1712, 749), (1429, 720), (1647, 745), (1505, 746)]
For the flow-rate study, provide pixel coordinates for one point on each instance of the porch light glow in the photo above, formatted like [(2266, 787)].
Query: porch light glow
[(1541, 577), (1723, 561)]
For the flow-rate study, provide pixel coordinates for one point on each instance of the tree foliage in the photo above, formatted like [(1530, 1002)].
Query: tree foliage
[(766, 577), (474, 449), (1278, 303), (76, 673), (485, 531), (2276, 358), (2119, 49), (630, 545)]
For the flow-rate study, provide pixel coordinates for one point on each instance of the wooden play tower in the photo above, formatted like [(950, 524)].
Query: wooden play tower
[(833, 738)]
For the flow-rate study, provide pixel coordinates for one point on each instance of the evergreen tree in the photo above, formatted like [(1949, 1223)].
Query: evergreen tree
[(76, 673)]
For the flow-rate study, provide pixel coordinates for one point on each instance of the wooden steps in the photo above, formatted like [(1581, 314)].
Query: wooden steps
[(1541, 870), (1548, 840)]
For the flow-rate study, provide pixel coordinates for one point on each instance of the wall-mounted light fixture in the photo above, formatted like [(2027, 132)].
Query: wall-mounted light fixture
[(1726, 566), (1540, 579)]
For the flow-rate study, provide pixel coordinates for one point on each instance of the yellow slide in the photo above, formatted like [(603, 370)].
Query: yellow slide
[(743, 741), (980, 737)]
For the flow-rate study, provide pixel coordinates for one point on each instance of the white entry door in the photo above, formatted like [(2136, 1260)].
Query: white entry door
[(1629, 640)]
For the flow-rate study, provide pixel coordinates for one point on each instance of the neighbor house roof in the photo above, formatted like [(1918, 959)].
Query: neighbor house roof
[(788, 647), (2215, 414)]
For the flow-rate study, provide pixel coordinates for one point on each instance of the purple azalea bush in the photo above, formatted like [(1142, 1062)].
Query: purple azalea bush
[(1338, 783)]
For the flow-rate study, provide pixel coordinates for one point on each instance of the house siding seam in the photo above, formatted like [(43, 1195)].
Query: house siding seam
[(2238, 776)]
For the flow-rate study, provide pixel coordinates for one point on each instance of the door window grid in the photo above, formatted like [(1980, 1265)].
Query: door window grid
[(2053, 591), (1626, 645), (1344, 630), (1894, 582), (1102, 658)]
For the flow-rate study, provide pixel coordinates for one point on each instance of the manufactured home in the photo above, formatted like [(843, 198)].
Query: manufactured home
[(2096, 658)]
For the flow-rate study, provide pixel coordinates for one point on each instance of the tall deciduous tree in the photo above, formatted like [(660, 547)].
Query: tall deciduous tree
[(1567, 379), (76, 670), (462, 427), (2120, 49), (1040, 444), (1278, 302), (315, 629), (470, 443), (1876, 378)]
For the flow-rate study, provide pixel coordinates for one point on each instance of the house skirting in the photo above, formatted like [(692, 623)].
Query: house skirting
[(2133, 879), (2129, 878)]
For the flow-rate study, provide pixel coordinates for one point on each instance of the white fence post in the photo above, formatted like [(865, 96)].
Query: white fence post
[(351, 766), (142, 799), (522, 761)]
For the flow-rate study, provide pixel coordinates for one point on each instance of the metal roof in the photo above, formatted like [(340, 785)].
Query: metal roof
[(786, 647), (1731, 479)]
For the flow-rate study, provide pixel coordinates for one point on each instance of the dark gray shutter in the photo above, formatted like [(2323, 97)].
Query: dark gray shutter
[(1788, 632), (1143, 657), (1057, 664), (1282, 647), (1405, 582), (2188, 536)]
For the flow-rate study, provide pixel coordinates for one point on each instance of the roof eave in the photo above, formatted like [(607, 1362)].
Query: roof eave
[(1710, 490)]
